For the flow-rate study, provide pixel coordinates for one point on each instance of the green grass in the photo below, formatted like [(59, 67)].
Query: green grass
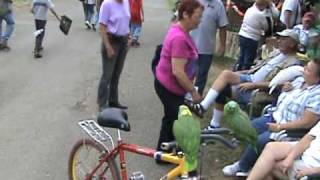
[(21, 2)]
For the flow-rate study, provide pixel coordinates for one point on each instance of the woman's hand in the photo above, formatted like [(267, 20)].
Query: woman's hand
[(274, 127), (285, 165), (110, 51), (129, 42), (196, 97), (305, 172), (246, 86)]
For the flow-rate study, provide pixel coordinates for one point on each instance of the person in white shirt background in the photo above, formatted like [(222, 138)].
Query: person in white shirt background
[(254, 25), (290, 13), (306, 29)]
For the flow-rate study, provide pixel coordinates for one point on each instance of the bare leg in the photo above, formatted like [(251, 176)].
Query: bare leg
[(273, 152), (226, 77)]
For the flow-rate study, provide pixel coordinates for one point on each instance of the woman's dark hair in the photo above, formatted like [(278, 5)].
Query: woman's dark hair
[(188, 6)]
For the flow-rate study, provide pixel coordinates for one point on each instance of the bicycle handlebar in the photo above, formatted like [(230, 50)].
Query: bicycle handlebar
[(167, 146), (215, 134), (208, 136), (216, 131)]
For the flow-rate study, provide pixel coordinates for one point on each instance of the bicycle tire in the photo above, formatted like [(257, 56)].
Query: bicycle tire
[(75, 162)]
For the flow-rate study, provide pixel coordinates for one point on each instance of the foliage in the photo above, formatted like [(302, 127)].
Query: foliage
[(173, 5)]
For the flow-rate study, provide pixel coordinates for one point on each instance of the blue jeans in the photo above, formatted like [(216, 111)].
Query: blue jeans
[(88, 12), (248, 52), (10, 26), (96, 21), (203, 66), (249, 157), (135, 31)]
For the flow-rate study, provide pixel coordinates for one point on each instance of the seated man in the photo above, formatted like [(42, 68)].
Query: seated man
[(258, 77), (297, 108), (292, 159)]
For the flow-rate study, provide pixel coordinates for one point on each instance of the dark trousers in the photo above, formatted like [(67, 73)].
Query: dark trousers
[(203, 66), (40, 24), (88, 11), (171, 103), (111, 70), (248, 52)]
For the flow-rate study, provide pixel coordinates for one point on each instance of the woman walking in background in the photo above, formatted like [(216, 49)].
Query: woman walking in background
[(40, 12), (137, 17), (114, 28), (88, 8)]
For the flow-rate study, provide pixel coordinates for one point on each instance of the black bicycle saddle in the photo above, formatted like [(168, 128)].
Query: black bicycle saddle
[(114, 118)]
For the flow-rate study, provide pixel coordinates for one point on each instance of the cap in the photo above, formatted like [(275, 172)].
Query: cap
[(289, 33)]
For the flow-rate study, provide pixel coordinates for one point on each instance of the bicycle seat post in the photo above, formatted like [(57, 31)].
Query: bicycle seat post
[(119, 136)]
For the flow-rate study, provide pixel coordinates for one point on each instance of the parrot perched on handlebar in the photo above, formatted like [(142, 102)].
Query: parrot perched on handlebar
[(187, 131), (239, 122)]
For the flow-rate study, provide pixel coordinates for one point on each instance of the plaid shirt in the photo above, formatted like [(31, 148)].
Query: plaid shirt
[(292, 105)]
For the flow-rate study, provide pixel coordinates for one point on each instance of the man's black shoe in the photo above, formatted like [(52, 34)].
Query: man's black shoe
[(117, 105)]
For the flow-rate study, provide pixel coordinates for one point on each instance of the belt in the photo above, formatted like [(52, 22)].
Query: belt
[(116, 37)]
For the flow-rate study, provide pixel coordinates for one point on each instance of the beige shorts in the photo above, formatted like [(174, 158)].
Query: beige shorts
[(298, 164)]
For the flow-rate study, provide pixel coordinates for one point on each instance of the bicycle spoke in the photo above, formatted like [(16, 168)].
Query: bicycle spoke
[(87, 157)]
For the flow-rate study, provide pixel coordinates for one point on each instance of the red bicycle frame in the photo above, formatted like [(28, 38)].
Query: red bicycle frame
[(120, 149)]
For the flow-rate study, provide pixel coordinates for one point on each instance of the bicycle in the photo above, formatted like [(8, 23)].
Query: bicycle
[(101, 158)]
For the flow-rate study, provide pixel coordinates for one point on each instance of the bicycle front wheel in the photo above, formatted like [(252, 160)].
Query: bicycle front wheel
[(85, 156)]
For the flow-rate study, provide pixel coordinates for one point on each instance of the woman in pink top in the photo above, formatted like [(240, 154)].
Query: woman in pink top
[(176, 69)]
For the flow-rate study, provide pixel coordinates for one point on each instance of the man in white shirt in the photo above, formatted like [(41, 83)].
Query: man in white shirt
[(214, 17), (40, 10), (291, 13), (245, 83)]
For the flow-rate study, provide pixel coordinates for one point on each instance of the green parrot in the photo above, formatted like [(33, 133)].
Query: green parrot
[(187, 131), (239, 122)]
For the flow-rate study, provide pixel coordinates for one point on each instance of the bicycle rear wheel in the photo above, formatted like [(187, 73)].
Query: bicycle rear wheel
[(85, 156)]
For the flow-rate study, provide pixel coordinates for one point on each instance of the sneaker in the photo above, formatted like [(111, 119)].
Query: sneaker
[(232, 169), (88, 25), (37, 55), (93, 27), (242, 174), (4, 46), (197, 109), (210, 128)]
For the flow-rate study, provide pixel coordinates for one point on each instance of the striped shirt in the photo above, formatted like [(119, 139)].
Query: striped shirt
[(40, 9), (292, 105)]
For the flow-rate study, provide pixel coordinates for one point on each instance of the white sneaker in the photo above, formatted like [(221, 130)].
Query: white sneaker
[(242, 174), (87, 23), (232, 169), (210, 128)]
